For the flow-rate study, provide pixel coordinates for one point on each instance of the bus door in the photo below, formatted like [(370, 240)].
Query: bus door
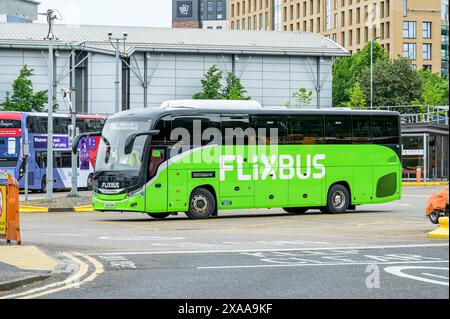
[(238, 188), (156, 192), (271, 190)]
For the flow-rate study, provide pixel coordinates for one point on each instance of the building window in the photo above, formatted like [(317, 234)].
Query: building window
[(427, 67), (260, 21), (358, 15), (335, 20), (388, 8), (343, 18), (426, 28), (350, 17), (267, 21), (333, 37), (210, 7), (328, 15), (358, 36), (409, 29), (350, 38), (232, 25), (343, 39), (409, 50), (405, 8), (426, 50), (388, 30)]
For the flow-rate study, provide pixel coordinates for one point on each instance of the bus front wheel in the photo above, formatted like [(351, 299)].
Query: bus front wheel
[(202, 204), (338, 200), (296, 210)]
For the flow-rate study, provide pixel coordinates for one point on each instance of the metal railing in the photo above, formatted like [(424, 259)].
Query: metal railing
[(413, 114)]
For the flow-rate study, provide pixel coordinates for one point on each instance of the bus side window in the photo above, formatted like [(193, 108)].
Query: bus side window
[(362, 130), (386, 130), (235, 130), (338, 129), (306, 129), (266, 124), (164, 126)]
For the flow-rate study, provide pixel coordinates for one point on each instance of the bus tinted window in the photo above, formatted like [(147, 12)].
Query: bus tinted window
[(164, 126), (236, 130), (362, 132), (271, 130), (196, 125), (385, 130), (93, 125), (338, 129), (306, 129), (37, 125), (61, 125)]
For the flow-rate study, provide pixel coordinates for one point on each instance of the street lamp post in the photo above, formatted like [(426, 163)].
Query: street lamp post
[(371, 71), (51, 99), (116, 46)]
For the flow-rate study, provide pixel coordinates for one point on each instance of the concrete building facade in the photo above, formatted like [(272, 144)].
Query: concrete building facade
[(18, 11), (409, 28), (206, 14), (164, 64)]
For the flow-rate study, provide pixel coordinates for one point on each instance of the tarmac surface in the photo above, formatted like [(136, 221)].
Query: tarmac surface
[(379, 251)]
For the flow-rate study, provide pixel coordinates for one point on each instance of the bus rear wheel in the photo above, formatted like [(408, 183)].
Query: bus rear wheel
[(202, 204), (159, 216), (296, 210), (338, 200), (43, 185)]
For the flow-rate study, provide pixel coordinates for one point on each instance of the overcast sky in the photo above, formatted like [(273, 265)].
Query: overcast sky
[(150, 13)]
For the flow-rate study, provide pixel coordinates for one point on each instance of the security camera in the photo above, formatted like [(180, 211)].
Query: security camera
[(110, 34), (125, 35)]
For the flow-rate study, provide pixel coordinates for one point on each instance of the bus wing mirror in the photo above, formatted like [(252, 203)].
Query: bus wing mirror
[(79, 137), (129, 143)]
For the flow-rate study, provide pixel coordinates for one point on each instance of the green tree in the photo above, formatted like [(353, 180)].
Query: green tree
[(395, 82), (346, 71), (302, 97), (435, 90), (357, 98), (211, 84), (23, 98), (234, 90)]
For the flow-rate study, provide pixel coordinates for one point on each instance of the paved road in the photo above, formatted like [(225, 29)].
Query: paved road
[(380, 251)]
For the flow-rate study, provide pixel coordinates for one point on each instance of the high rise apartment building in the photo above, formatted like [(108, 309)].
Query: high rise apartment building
[(409, 28)]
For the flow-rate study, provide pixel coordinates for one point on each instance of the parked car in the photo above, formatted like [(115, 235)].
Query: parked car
[(437, 206)]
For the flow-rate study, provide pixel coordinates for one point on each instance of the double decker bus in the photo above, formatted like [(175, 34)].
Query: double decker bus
[(15, 125), (199, 157)]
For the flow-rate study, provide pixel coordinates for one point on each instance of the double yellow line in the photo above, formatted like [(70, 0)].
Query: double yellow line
[(74, 281)]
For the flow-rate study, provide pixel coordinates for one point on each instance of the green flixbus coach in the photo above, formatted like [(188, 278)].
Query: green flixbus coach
[(199, 157)]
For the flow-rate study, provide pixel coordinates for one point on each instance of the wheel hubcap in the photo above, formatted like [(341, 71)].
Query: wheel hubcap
[(338, 199), (200, 204)]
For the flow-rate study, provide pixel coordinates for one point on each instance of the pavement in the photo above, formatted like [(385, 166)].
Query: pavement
[(379, 251), (22, 265)]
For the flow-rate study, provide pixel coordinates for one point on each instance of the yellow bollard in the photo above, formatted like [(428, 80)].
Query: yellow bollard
[(442, 231)]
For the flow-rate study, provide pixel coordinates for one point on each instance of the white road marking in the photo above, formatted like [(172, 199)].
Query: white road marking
[(325, 264), (398, 271), (137, 253), (433, 275), (138, 238)]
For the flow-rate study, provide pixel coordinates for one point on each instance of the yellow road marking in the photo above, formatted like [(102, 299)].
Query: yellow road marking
[(71, 282)]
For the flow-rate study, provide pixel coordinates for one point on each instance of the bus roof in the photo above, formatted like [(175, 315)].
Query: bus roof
[(156, 113), (18, 115)]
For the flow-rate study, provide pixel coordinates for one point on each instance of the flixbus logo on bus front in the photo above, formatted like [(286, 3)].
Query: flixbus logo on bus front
[(284, 167)]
